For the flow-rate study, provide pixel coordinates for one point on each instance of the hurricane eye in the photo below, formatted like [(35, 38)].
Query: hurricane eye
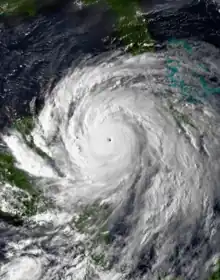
[(119, 174)]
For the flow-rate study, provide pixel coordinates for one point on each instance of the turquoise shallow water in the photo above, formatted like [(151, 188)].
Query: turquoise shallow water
[(142, 206), (188, 92)]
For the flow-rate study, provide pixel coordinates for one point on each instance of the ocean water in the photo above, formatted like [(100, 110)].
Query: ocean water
[(110, 160)]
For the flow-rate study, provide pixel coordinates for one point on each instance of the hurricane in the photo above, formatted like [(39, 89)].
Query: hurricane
[(124, 158)]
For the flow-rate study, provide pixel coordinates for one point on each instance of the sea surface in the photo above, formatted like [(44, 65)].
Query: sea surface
[(110, 142)]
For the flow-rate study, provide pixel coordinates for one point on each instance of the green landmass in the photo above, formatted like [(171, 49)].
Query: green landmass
[(216, 274), (18, 7), (29, 196), (24, 7), (25, 126), (92, 221), (131, 26), (23, 206), (12, 174), (99, 259), (31, 199)]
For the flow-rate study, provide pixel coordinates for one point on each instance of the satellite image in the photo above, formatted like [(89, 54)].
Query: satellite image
[(110, 140)]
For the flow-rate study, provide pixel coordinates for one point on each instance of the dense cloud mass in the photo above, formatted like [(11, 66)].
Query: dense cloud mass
[(120, 165), (122, 136)]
